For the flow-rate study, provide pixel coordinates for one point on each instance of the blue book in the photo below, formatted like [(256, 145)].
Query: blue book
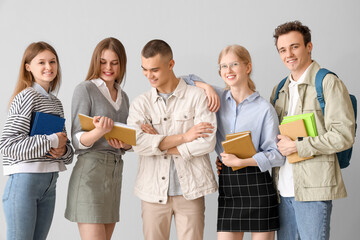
[(45, 123)]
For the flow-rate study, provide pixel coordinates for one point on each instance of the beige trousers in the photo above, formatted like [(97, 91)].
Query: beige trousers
[(188, 215)]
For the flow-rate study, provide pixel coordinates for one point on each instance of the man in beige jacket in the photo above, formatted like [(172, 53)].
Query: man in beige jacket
[(307, 188), (174, 171)]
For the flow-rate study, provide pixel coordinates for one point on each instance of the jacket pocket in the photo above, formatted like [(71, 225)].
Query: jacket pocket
[(318, 173), (184, 120), (155, 122)]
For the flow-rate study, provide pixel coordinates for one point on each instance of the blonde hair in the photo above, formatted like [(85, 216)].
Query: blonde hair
[(26, 78), (114, 45), (244, 56)]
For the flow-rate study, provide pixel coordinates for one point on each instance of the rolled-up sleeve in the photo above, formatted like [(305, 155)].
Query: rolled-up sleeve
[(269, 155), (200, 146), (191, 79)]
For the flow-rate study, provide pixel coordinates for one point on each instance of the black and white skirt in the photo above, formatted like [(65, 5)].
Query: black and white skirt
[(247, 201)]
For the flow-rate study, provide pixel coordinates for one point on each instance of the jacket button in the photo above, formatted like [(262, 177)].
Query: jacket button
[(165, 157), (165, 119), (163, 178), (160, 201), (185, 116)]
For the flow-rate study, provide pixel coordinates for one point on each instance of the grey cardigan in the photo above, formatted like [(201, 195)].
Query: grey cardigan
[(87, 99)]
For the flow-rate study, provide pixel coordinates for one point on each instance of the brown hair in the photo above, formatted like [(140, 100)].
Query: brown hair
[(114, 45), (244, 56), (155, 47), (293, 26), (26, 79)]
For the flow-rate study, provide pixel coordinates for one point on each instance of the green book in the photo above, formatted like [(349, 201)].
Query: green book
[(309, 121)]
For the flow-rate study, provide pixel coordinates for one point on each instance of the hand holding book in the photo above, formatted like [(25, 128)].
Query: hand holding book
[(45, 123), (231, 160), (119, 131), (302, 125), (103, 124), (240, 145)]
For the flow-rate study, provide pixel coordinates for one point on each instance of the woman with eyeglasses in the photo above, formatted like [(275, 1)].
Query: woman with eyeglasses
[(247, 198)]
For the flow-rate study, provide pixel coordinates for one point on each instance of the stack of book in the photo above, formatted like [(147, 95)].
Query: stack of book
[(302, 125), (239, 144)]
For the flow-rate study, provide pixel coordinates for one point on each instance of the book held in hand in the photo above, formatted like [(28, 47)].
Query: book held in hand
[(298, 126), (234, 135), (46, 123), (120, 131), (309, 122), (239, 144)]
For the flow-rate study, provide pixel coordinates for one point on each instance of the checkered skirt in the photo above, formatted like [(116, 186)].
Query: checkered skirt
[(247, 201)]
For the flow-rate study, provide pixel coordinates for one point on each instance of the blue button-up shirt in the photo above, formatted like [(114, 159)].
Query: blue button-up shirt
[(254, 114)]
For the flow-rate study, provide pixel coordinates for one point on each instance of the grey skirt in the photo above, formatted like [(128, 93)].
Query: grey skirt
[(95, 188)]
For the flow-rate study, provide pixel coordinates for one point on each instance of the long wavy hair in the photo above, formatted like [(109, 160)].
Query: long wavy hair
[(114, 45), (26, 78)]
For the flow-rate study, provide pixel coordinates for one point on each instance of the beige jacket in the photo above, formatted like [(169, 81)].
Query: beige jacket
[(320, 178), (185, 108)]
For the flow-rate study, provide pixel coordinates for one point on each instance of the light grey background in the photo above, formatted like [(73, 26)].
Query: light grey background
[(197, 30)]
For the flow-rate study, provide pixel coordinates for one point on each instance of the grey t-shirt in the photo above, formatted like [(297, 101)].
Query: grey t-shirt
[(174, 184)]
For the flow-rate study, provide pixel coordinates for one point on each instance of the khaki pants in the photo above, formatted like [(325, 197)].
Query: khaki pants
[(188, 215)]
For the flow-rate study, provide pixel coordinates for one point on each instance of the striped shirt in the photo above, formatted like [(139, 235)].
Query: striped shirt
[(24, 153)]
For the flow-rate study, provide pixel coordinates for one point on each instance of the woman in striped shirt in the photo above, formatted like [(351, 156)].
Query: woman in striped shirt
[(33, 162)]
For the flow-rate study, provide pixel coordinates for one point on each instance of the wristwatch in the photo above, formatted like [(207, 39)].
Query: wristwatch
[(300, 139)]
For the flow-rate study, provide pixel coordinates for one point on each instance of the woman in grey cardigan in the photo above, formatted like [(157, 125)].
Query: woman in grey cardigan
[(94, 189)]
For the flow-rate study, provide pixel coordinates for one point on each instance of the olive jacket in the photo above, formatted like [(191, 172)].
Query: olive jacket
[(320, 179)]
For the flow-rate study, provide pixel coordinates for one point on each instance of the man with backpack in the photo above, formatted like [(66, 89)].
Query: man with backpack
[(308, 187)]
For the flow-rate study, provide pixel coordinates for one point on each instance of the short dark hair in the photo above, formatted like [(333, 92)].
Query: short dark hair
[(155, 47), (293, 26)]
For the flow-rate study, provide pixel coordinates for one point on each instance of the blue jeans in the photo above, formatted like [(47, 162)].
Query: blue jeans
[(29, 201), (304, 220)]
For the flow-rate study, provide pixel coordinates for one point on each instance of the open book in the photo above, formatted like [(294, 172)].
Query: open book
[(120, 131), (239, 144)]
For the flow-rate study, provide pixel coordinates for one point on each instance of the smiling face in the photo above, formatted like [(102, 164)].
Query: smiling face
[(294, 54), (109, 66), (44, 68), (233, 71), (158, 70)]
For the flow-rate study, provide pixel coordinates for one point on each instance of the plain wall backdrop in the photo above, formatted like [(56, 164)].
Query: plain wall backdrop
[(196, 30)]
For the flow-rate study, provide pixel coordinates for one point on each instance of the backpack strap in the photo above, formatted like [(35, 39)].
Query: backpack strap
[(281, 84), (319, 86)]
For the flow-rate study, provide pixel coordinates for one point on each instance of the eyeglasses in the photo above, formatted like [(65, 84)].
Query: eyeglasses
[(225, 66)]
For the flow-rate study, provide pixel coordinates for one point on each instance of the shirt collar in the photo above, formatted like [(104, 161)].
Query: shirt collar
[(250, 98), (301, 79), (100, 83), (40, 89), (178, 92)]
